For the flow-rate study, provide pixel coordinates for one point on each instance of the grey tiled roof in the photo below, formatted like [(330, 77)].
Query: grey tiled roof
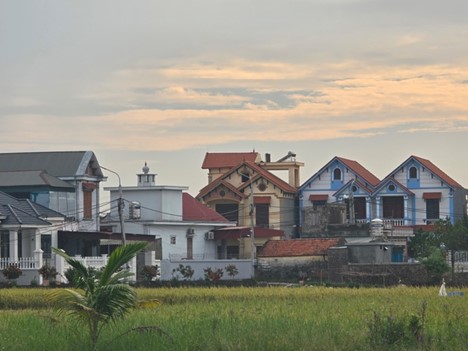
[(24, 212), (56, 163), (31, 178)]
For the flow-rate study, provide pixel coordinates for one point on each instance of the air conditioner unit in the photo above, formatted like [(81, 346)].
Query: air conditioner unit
[(209, 235), (190, 231)]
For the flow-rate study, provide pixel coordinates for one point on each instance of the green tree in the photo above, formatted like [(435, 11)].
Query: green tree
[(436, 264), (98, 300)]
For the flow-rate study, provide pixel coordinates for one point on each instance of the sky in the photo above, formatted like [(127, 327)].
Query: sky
[(164, 82)]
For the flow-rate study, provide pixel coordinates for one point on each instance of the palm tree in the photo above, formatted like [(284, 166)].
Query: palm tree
[(98, 299)]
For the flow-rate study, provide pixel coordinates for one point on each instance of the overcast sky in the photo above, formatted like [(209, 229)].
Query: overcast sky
[(167, 81)]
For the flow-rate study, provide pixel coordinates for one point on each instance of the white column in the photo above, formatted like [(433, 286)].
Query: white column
[(39, 262), (378, 215), (149, 258), (60, 267), (406, 209), (13, 242), (369, 209)]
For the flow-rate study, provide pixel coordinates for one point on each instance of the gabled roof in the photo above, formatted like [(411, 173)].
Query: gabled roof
[(359, 170), (430, 167), (24, 212), (260, 173), (56, 163), (192, 210), (280, 183), (31, 178), (437, 172), (387, 180), (297, 247), (354, 166), (227, 159), (357, 183), (215, 184)]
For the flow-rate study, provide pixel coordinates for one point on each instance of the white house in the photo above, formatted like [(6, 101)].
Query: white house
[(179, 227)]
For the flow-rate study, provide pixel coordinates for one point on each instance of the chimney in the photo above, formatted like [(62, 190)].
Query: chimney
[(267, 158)]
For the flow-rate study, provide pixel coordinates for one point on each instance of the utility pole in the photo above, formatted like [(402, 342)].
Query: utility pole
[(252, 234), (120, 206), (352, 215)]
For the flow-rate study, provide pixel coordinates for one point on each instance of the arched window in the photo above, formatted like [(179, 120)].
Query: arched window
[(413, 173), (337, 174)]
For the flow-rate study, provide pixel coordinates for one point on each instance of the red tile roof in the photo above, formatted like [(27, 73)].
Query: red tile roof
[(297, 247), (260, 173), (192, 210), (227, 159), (268, 176), (359, 170), (437, 171)]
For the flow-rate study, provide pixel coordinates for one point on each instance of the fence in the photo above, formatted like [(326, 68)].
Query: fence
[(21, 263)]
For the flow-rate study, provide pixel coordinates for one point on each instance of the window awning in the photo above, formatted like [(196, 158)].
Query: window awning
[(429, 196), (318, 197), (262, 200)]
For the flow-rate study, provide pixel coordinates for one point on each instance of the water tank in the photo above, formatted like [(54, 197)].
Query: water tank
[(376, 227), (135, 210)]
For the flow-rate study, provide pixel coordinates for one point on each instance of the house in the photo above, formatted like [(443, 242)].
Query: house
[(417, 192), (179, 228), (327, 196), (243, 188), (26, 228), (64, 181)]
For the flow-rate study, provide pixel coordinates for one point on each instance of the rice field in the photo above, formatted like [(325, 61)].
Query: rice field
[(267, 318)]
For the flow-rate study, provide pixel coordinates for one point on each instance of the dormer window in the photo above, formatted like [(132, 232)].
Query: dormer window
[(413, 173), (337, 174)]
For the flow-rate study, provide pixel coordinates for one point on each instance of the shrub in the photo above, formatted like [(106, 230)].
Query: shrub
[(185, 271), (231, 270), (150, 272), (48, 272), (12, 271), (213, 275)]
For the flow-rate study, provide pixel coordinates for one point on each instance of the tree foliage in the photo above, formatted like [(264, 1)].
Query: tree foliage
[(98, 299)]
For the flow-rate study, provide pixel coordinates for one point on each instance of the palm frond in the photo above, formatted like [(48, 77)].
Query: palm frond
[(118, 258)]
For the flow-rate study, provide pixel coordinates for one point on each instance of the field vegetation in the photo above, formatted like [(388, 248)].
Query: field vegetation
[(254, 318)]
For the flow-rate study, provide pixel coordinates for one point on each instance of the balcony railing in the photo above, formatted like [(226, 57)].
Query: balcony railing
[(393, 222), (21, 262)]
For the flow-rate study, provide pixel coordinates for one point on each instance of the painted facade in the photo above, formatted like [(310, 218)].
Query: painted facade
[(243, 188), (176, 225), (416, 193)]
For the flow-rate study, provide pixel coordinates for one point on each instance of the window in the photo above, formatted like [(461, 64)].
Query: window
[(360, 208), (4, 244), (228, 211), (391, 187), (245, 177), (337, 174), (173, 240), (413, 173), (46, 245), (189, 248), (432, 208), (262, 215), (87, 205)]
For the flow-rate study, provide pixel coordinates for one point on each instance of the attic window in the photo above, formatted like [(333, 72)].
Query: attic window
[(245, 177), (413, 173), (337, 174)]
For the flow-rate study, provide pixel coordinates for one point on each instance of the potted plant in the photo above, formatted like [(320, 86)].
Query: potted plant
[(12, 272), (47, 272)]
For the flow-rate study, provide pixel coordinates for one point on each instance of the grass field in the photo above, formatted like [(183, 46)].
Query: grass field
[(274, 318)]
